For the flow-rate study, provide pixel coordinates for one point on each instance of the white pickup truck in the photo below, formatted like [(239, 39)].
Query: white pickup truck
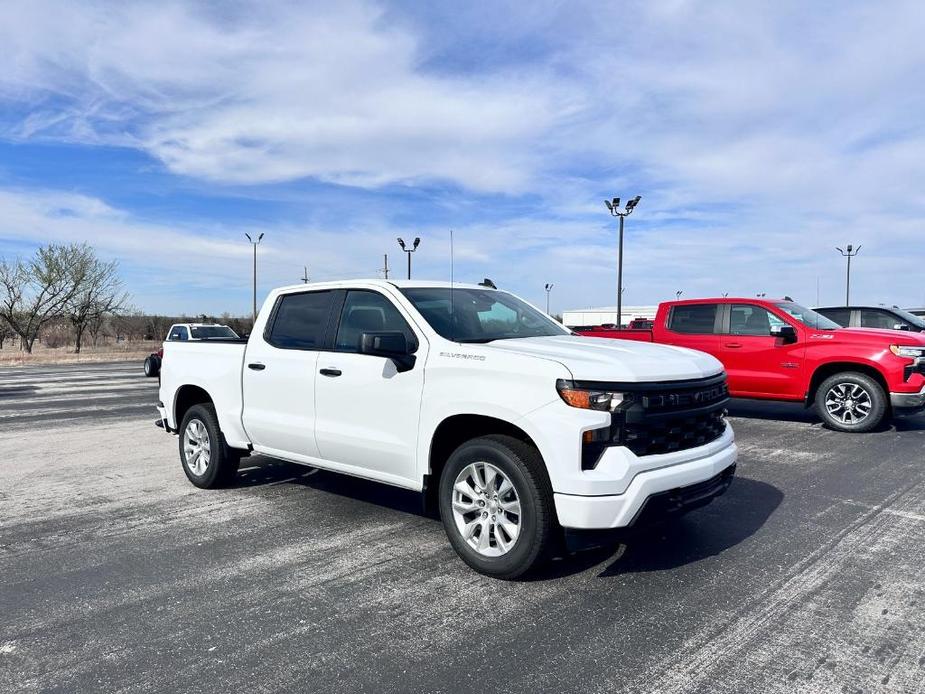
[(511, 426)]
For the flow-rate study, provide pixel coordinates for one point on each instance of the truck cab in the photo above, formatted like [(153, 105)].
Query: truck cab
[(879, 317)]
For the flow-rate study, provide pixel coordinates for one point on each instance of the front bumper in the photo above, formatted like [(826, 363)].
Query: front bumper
[(908, 403), (682, 487)]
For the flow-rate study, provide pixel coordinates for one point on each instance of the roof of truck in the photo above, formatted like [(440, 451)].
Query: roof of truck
[(400, 284)]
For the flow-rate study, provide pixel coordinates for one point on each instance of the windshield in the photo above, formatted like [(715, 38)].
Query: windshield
[(480, 315), (807, 316), (910, 318), (211, 332)]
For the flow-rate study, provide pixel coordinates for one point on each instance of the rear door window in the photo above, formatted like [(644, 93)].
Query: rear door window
[(301, 320), (693, 319), (874, 318), (842, 316)]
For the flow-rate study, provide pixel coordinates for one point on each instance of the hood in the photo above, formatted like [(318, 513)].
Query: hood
[(604, 359), (868, 336)]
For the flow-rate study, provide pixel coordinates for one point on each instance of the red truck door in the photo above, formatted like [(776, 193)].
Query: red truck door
[(757, 362), (696, 326)]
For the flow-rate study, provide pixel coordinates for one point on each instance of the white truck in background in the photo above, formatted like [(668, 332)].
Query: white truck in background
[(183, 332), (509, 424)]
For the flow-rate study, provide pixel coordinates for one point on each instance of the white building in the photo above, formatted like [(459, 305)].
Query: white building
[(606, 315)]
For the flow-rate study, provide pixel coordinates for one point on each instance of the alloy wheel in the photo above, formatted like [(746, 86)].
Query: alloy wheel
[(848, 403), (486, 509), (197, 447)]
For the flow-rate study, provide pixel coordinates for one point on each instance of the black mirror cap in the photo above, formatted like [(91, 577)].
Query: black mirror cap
[(391, 344), (787, 332)]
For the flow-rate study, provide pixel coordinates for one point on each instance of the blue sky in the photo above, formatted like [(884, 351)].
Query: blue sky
[(760, 135)]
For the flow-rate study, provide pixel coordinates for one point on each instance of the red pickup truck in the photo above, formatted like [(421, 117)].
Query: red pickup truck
[(779, 350)]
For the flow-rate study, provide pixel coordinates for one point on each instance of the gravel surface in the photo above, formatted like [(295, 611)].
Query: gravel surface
[(117, 575)]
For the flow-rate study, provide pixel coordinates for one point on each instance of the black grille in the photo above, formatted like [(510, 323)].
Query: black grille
[(665, 417), (674, 433)]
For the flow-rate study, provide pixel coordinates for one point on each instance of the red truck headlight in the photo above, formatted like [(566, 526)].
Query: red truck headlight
[(908, 351)]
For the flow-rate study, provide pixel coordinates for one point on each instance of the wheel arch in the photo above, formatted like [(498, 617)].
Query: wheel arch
[(186, 397), (451, 433), (824, 371)]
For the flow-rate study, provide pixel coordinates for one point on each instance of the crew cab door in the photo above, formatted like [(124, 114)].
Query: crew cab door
[(368, 410), (758, 362), (279, 374), (695, 326)]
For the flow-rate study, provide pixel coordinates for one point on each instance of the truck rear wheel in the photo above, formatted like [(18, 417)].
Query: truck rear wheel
[(852, 402), (207, 461), (152, 366), (496, 506)]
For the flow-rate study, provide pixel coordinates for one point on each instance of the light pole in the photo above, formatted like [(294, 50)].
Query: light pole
[(409, 251), (305, 278), (548, 289), (254, 244), (677, 294), (849, 254), (614, 207)]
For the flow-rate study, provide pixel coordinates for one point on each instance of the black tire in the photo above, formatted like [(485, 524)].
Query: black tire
[(524, 467), (152, 366), (860, 388), (223, 462)]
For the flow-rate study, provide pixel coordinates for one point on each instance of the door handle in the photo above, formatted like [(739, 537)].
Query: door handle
[(333, 373), (733, 345), (256, 366)]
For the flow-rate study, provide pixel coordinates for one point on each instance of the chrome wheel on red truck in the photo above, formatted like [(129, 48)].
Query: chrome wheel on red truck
[(852, 402)]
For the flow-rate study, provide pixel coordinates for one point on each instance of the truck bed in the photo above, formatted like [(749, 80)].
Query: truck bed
[(216, 367)]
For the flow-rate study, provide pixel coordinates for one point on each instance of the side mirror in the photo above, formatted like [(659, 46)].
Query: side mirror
[(786, 332), (391, 345), (901, 326)]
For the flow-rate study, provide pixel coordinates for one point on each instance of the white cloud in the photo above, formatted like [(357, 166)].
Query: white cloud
[(760, 136), (281, 92)]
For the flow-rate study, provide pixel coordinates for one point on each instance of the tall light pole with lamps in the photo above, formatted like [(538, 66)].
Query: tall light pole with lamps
[(849, 254), (254, 244), (614, 207), (409, 251), (549, 287)]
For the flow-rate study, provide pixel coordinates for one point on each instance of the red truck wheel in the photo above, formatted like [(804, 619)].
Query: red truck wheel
[(852, 402)]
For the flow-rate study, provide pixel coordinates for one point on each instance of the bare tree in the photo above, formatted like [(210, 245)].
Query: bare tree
[(100, 293), (6, 332), (35, 291)]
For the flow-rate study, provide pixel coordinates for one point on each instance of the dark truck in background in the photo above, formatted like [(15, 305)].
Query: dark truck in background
[(779, 350), (880, 317)]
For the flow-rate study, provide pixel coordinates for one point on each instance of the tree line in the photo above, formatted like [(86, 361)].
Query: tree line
[(65, 294)]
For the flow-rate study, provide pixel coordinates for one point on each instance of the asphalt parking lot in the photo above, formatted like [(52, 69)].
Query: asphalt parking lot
[(118, 575)]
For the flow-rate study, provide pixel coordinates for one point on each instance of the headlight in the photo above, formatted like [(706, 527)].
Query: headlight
[(589, 398), (907, 351)]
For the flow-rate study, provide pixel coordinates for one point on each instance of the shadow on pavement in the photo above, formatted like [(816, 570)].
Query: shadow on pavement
[(706, 532), (703, 533)]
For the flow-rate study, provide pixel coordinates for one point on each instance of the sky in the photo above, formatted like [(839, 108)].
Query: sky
[(760, 135)]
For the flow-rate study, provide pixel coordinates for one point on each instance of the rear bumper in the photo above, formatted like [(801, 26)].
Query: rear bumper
[(161, 420), (670, 490), (908, 403)]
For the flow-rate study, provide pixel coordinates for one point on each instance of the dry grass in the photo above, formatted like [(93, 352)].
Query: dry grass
[(123, 351)]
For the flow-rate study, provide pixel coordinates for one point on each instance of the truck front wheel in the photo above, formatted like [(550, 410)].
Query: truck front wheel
[(852, 402), (496, 505), (207, 461)]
